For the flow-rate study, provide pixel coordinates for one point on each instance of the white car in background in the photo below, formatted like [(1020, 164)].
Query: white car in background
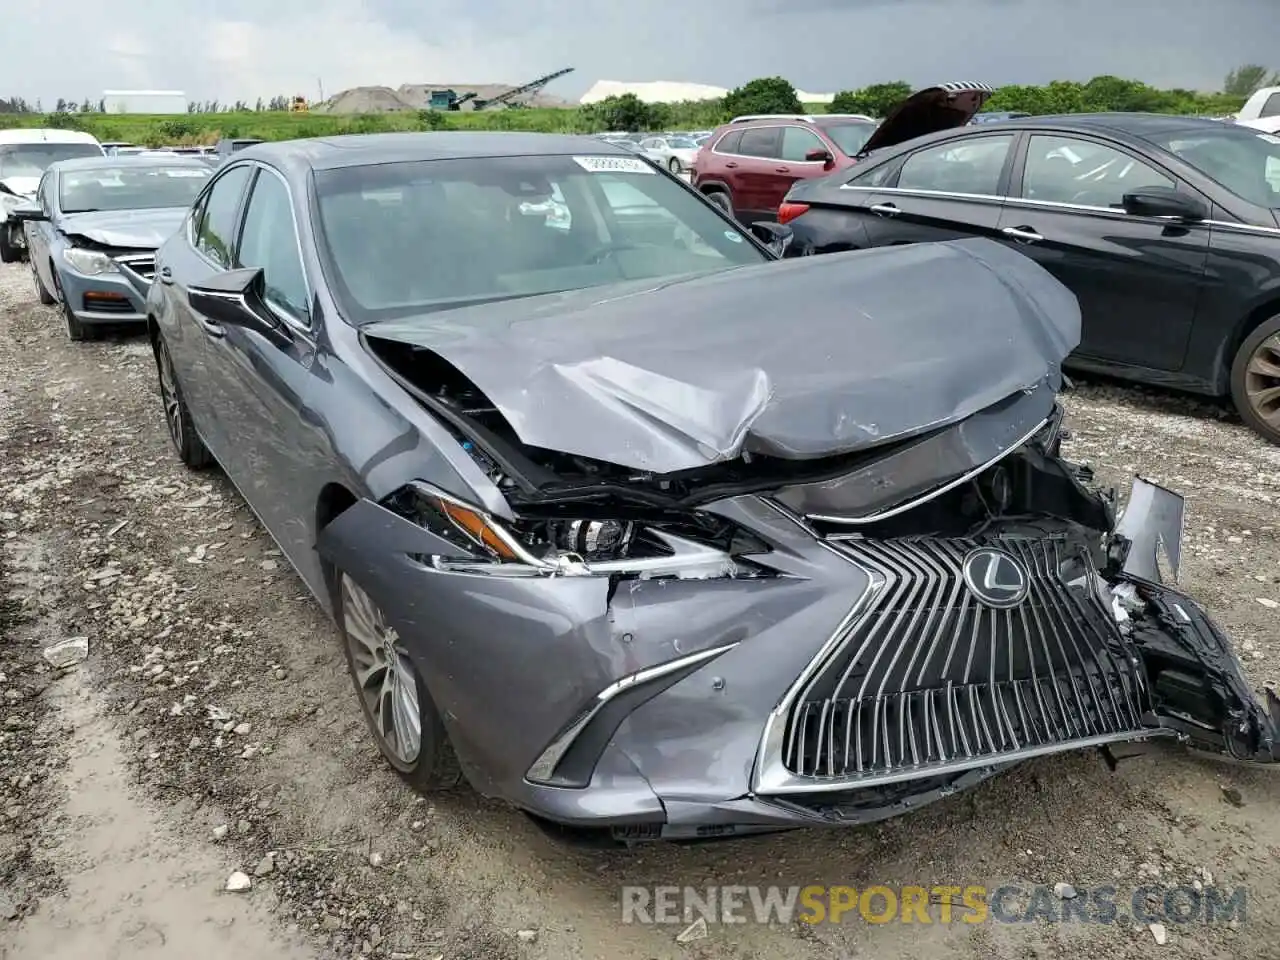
[(25, 152), (674, 153)]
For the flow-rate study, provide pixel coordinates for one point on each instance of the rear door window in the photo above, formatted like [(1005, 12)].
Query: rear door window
[(761, 142), (968, 166), (730, 142)]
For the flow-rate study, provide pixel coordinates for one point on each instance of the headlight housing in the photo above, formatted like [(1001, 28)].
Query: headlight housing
[(91, 263), (682, 548), (8, 201)]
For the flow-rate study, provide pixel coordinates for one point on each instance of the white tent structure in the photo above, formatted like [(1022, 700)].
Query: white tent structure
[(668, 91)]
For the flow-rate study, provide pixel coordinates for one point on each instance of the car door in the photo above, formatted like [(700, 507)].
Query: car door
[(208, 238), (1137, 278), (760, 152), (797, 142), (261, 383), (40, 232), (945, 191)]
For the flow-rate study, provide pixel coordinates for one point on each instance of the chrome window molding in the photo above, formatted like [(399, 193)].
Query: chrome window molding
[(1024, 202)]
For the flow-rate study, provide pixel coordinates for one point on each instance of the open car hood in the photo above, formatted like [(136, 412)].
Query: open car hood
[(926, 111), (797, 359)]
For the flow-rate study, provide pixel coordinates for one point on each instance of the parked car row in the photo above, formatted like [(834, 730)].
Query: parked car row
[(1167, 229), (634, 524)]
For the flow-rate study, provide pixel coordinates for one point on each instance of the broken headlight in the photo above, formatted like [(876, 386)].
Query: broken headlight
[(693, 548)]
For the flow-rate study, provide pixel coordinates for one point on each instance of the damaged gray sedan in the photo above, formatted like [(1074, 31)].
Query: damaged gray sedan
[(637, 527)]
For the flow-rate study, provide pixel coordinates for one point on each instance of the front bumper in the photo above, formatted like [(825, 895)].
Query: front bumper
[(863, 681), (101, 298)]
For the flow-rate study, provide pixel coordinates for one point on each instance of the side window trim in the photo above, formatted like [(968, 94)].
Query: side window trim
[(286, 313), (202, 202)]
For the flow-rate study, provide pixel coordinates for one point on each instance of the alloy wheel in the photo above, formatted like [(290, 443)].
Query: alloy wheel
[(384, 674), (169, 394), (1262, 381)]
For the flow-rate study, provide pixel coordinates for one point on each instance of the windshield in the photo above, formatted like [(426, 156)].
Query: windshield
[(31, 159), (134, 186), (1245, 162), (850, 137), (402, 238)]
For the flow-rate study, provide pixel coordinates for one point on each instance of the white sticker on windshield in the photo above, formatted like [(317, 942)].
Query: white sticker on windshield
[(1269, 138), (187, 173), (613, 165)]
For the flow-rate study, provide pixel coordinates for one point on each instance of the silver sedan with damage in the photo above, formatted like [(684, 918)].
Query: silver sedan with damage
[(647, 532), (93, 230)]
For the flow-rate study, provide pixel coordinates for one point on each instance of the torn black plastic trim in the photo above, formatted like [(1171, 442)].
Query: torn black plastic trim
[(1197, 684)]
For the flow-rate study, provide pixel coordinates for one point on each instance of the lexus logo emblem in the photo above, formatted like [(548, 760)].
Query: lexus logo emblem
[(995, 577)]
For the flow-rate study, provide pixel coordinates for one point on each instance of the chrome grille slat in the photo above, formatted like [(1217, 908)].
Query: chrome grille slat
[(143, 264), (927, 677)]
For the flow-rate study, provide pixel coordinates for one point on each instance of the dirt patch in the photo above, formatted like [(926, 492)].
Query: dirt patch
[(221, 688)]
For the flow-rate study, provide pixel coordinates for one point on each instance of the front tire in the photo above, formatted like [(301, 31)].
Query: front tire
[(182, 432), (398, 710), (8, 252), (674, 166), (41, 291), (76, 331), (1255, 380)]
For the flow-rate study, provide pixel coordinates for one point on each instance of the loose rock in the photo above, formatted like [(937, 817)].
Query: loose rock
[(238, 882)]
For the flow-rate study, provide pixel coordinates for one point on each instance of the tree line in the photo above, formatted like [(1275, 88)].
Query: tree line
[(61, 105)]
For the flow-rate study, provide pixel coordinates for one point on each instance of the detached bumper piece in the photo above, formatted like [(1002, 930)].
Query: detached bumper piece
[(931, 679)]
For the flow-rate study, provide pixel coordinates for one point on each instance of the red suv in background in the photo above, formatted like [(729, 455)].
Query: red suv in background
[(747, 166)]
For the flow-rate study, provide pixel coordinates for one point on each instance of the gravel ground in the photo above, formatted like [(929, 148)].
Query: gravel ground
[(212, 730)]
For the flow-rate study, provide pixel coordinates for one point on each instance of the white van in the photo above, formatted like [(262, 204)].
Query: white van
[(25, 152)]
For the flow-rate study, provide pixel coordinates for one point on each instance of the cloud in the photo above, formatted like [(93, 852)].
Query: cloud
[(244, 49)]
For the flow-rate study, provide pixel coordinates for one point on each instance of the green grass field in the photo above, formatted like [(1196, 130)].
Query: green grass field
[(209, 127)]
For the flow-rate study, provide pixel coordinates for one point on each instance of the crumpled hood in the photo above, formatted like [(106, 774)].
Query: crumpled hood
[(21, 186), (141, 229), (800, 359)]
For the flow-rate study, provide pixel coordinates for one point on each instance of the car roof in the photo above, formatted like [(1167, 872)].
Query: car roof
[(352, 150), (115, 163), (45, 135)]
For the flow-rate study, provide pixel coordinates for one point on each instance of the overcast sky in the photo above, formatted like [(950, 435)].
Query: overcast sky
[(243, 49)]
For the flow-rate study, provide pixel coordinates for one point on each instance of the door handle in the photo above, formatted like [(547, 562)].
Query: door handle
[(1022, 234), (166, 275), (885, 209), (781, 169), (732, 165), (211, 329)]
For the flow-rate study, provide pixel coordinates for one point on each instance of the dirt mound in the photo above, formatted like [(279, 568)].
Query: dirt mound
[(365, 100)]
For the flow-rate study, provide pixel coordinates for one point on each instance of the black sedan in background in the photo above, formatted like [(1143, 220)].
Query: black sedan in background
[(1164, 227)]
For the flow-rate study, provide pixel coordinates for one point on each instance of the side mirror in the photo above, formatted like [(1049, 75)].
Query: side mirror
[(819, 155), (1164, 202), (237, 299), (28, 212), (775, 236)]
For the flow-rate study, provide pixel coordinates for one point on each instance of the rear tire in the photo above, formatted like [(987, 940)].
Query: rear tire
[(372, 646), (1255, 380), (182, 432), (673, 165), (722, 200)]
